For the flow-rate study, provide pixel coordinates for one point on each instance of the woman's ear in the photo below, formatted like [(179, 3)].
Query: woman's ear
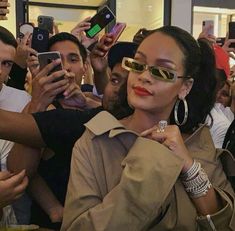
[(186, 88)]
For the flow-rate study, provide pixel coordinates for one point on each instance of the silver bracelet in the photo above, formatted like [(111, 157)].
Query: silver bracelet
[(192, 172), (199, 185)]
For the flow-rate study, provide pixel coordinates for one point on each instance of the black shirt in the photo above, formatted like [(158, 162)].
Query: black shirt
[(60, 128)]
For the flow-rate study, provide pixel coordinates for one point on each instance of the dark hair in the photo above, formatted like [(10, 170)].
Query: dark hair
[(199, 64), (7, 37), (221, 78), (64, 36)]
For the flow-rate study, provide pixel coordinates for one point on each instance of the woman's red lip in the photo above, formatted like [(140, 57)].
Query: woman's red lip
[(141, 91)]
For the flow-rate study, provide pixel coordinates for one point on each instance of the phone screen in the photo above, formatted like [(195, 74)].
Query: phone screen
[(99, 21), (117, 30), (94, 30)]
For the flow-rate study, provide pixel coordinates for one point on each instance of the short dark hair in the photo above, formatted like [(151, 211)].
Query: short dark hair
[(199, 64), (64, 36), (7, 37)]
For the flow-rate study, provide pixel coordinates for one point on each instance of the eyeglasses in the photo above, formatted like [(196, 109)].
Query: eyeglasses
[(159, 73)]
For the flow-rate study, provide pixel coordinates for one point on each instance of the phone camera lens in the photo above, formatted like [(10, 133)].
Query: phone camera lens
[(107, 16), (40, 37)]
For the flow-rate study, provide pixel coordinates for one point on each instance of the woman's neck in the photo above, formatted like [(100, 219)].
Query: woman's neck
[(139, 121)]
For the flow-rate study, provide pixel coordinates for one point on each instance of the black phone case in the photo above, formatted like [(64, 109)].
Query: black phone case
[(232, 33), (100, 21), (46, 58), (46, 23), (40, 40)]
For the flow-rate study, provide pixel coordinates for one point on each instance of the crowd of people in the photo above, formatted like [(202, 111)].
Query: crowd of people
[(142, 138)]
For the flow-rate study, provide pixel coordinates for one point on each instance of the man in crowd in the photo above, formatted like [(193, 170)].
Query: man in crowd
[(59, 129), (11, 99)]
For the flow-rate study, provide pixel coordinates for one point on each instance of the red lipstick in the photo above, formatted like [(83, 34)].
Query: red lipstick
[(141, 91)]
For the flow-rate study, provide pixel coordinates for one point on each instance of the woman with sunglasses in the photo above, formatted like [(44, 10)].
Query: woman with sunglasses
[(156, 169)]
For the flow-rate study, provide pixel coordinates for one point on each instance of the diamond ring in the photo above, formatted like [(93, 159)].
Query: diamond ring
[(162, 124)]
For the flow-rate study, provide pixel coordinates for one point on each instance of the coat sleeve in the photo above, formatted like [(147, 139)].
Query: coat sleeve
[(149, 173), (225, 218)]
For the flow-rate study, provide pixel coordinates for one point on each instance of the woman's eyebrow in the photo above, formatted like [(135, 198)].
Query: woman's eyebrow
[(141, 53), (160, 60)]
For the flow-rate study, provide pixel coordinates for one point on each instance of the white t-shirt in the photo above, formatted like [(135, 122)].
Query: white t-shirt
[(11, 99), (219, 127), (226, 110)]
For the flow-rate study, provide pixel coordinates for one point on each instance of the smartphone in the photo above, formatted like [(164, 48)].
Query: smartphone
[(206, 23), (100, 21), (26, 28), (45, 58), (117, 30), (40, 39), (231, 33), (220, 41), (46, 23)]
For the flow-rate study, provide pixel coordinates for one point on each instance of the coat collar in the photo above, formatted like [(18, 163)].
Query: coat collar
[(105, 122)]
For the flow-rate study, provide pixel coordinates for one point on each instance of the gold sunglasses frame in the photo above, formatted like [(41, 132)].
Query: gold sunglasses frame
[(149, 68)]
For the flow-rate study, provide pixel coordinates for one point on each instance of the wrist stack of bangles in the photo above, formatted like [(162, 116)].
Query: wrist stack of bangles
[(196, 181)]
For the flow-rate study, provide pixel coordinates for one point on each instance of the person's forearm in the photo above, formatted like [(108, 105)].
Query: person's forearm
[(101, 79), (208, 204), (21, 128), (45, 198), (23, 157)]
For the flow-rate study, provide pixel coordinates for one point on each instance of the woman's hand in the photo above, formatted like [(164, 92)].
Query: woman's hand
[(172, 139)]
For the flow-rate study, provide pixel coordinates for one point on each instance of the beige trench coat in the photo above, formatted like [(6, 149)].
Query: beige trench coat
[(120, 181)]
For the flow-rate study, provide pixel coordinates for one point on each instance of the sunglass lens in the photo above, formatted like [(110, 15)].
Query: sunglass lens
[(134, 65), (162, 74)]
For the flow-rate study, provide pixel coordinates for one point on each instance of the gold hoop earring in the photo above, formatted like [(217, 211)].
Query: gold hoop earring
[(185, 112)]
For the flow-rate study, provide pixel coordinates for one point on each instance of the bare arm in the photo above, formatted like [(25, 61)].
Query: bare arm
[(45, 198), (21, 128)]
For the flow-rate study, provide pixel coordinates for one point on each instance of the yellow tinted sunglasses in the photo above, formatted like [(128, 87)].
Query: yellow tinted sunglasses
[(159, 73)]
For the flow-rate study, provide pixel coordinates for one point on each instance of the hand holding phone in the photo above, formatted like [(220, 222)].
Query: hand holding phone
[(26, 28), (117, 31), (108, 40), (220, 41), (208, 27), (100, 21), (46, 58)]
